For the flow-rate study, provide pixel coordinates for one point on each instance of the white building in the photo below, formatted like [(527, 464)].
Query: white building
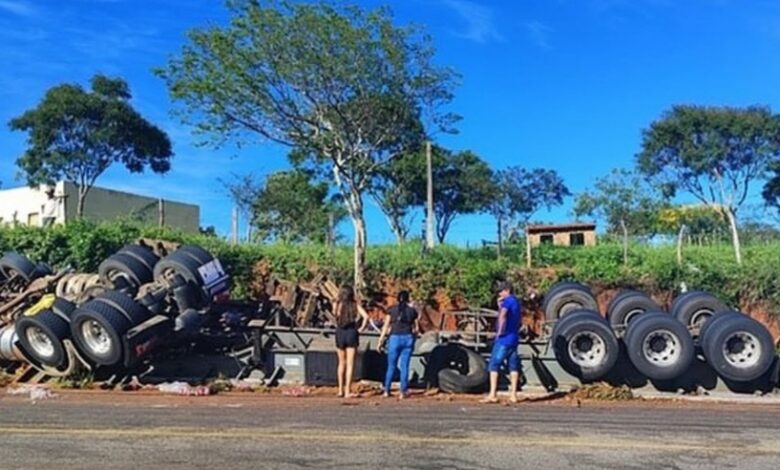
[(25, 205)]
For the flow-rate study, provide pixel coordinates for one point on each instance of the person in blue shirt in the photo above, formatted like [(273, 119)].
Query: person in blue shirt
[(505, 345)]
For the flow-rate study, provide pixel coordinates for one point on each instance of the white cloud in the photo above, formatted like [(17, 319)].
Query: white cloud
[(480, 21), (539, 33), (17, 7)]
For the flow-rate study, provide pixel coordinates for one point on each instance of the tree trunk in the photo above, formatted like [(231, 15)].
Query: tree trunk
[(82, 196), (625, 241), (359, 223), (734, 234), (500, 239), (398, 230), (353, 200), (680, 238)]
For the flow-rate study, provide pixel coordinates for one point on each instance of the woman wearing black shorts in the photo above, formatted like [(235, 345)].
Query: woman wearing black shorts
[(347, 311)]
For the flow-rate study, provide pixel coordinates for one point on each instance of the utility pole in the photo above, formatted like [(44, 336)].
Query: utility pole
[(331, 228), (235, 226), (429, 217), (161, 212)]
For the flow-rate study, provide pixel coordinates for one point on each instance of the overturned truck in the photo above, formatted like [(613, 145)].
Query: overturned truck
[(161, 312)]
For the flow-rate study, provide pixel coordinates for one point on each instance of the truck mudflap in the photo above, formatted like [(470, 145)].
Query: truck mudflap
[(146, 338)]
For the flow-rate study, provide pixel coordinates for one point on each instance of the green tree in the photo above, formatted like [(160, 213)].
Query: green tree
[(771, 190), (462, 184), (712, 153), (392, 188), (519, 193), (291, 208), (624, 201), (77, 135), (347, 86)]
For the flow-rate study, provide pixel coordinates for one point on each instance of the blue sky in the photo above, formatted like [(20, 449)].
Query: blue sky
[(563, 84)]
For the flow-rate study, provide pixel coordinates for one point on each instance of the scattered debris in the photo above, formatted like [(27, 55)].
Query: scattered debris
[(296, 392), (5, 379), (34, 392), (184, 389), (601, 391)]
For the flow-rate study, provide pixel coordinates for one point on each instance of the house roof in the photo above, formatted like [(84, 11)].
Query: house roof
[(571, 227)]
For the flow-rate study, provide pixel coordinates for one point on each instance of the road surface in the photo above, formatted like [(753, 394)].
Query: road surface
[(113, 430)]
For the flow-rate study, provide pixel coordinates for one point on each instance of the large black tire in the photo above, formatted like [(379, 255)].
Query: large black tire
[(184, 265), (712, 321), (142, 254), (199, 254), (694, 308), (456, 369), (628, 307), (585, 345), (132, 310), (659, 346), (739, 348), (128, 265), (13, 263), (97, 329), (566, 297), (41, 336)]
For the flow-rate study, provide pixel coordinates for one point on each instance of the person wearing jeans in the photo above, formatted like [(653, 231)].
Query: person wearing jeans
[(401, 322), (505, 345)]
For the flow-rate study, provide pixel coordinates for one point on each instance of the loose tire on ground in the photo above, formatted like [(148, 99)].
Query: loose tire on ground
[(694, 308), (659, 346), (41, 336), (738, 348), (97, 329), (628, 307), (585, 345), (564, 298), (13, 263), (454, 368)]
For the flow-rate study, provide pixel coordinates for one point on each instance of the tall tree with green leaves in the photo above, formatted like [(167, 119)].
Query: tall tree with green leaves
[(771, 190), (392, 188), (290, 207), (624, 201), (519, 193), (76, 135), (347, 86), (712, 153), (462, 184)]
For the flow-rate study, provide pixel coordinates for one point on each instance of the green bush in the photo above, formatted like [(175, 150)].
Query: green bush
[(464, 274)]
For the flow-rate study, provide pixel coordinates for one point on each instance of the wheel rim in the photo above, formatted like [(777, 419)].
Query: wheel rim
[(632, 314), (587, 349), (568, 307), (662, 348), (40, 342), (700, 316), (742, 349), (95, 337)]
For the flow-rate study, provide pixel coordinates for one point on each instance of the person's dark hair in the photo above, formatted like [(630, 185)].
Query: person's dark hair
[(347, 306), (504, 286), (406, 312)]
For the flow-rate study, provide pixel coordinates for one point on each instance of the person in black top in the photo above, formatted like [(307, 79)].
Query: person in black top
[(402, 324), (347, 311)]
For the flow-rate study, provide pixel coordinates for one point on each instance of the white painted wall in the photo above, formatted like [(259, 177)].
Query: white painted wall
[(25, 204)]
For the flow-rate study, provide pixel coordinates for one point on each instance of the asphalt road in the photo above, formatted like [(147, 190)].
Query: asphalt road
[(116, 430)]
